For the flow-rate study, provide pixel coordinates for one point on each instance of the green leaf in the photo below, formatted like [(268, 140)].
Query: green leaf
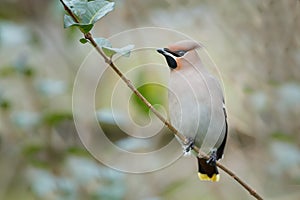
[(87, 13), (83, 40), (69, 22), (103, 42), (124, 51), (110, 51)]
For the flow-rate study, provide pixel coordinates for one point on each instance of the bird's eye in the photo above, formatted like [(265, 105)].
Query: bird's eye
[(180, 53), (175, 53)]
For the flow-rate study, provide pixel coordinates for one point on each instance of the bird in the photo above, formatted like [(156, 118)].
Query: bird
[(196, 105)]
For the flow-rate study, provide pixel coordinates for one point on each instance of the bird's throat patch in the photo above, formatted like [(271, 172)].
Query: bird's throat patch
[(171, 62)]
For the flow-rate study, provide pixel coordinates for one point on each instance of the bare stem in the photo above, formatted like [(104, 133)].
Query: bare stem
[(183, 139)]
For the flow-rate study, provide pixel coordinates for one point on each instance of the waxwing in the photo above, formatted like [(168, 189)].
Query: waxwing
[(196, 105)]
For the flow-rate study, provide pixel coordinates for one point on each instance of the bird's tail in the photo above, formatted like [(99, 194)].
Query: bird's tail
[(206, 171)]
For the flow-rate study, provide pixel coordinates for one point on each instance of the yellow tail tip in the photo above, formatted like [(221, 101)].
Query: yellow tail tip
[(204, 177)]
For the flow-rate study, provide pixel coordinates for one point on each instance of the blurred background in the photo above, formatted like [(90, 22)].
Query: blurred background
[(255, 45)]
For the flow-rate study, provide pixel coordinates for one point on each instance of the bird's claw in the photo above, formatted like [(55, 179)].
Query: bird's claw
[(212, 158), (188, 146)]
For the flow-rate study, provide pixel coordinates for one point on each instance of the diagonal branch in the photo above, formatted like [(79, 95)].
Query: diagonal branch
[(89, 37), (183, 139), (69, 11)]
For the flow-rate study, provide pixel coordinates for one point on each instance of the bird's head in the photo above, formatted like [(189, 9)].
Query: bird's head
[(180, 54)]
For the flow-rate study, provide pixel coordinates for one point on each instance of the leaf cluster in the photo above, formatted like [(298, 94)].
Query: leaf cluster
[(84, 14)]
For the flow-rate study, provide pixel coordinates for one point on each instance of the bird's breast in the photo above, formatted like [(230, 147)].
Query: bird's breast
[(195, 108)]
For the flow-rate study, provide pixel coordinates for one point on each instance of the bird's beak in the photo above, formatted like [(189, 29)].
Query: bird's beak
[(161, 51)]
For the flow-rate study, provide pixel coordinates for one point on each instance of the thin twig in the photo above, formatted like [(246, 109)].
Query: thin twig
[(240, 181), (183, 139)]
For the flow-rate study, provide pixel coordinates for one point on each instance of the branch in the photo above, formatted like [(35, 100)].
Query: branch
[(89, 37), (183, 139), (69, 11)]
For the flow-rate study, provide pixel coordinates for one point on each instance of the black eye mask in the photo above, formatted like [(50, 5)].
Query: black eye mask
[(179, 53)]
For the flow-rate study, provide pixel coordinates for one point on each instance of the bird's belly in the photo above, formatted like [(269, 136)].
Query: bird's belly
[(188, 115), (194, 115)]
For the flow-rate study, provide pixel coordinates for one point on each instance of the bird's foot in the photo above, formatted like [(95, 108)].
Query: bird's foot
[(212, 158), (188, 145)]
